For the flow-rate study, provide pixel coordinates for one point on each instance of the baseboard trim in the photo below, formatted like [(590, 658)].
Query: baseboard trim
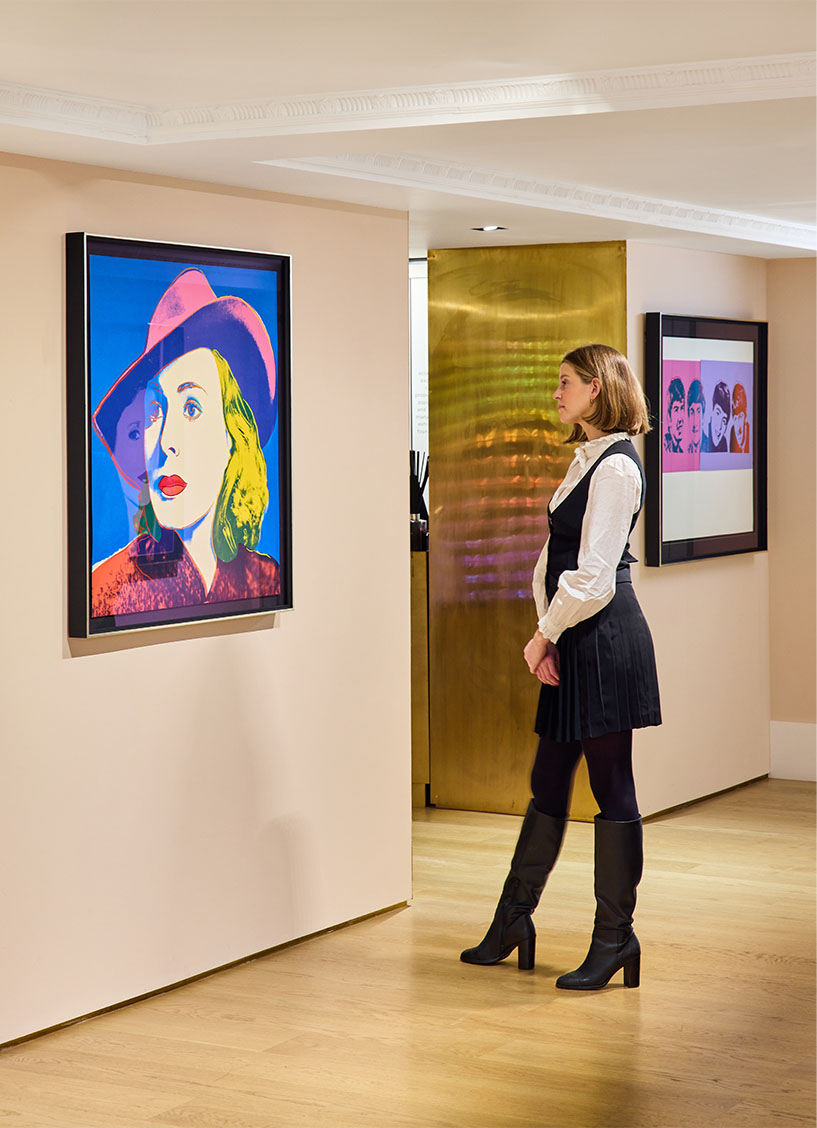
[(703, 798), (200, 975)]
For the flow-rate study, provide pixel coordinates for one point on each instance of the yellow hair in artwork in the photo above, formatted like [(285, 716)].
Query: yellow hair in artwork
[(242, 500)]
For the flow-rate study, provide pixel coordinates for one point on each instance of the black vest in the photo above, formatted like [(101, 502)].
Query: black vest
[(565, 523)]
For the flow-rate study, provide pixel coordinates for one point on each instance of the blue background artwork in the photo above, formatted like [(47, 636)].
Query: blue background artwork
[(123, 293)]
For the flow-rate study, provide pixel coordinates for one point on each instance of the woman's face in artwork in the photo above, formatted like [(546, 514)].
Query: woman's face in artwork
[(187, 446), (739, 423), (129, 444), (573, 397)]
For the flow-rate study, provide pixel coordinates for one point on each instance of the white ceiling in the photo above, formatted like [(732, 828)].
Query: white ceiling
[(686, 122)]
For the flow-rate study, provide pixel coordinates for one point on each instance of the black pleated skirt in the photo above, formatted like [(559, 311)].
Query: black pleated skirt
[(608, 681)]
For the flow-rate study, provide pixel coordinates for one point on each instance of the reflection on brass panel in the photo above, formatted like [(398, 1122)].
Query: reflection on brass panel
[(500, 320)]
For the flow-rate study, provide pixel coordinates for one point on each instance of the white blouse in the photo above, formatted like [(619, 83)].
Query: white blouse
[(614, 496)]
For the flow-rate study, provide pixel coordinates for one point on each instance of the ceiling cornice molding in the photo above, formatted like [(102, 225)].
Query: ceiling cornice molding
[(637, 88), (762, 78), (480, 183), (72, 113)]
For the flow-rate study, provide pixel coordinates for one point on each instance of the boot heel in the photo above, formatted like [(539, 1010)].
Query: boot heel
[(526, 953), (632, 973)]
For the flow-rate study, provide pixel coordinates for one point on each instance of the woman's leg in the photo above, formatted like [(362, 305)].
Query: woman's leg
[(619, 862), (552, 775), (537, 849), (610, 768)]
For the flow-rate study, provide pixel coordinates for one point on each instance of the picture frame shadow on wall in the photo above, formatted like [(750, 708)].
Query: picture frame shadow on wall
[(706, 457), (178, 420)]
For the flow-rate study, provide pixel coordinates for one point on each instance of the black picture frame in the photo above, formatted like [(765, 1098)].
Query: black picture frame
[(139, 554), (706, 455)]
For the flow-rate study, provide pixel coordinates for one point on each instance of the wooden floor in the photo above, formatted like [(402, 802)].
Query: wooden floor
[(380, 1024)]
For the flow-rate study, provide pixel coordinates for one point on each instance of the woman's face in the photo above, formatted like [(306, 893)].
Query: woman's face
[(187, 446), (573, 397)]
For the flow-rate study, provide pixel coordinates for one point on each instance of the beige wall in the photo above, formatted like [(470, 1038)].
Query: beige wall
[(174, 802), (792, 511), (709, 618), (792, 494)]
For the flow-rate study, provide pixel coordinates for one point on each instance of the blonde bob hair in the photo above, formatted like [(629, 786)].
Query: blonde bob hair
[(620, 404)]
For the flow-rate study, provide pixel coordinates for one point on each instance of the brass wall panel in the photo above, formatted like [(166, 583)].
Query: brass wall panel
[(500, 320), (420, 767)]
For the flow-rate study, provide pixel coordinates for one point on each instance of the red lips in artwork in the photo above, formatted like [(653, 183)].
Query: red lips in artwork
[(172, 485)]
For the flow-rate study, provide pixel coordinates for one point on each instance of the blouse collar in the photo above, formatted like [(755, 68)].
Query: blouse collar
[(594, 448)]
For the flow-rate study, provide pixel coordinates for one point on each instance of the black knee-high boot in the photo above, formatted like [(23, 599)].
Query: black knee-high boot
[(537, 849), (619, 864)]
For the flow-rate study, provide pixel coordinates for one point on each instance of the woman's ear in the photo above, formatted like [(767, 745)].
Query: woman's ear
[(595, 387)]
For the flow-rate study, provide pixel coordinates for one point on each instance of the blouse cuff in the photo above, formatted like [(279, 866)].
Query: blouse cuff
[(549, 630)]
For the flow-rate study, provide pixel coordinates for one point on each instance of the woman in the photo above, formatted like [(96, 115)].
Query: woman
[(593, 653), (194, 451)]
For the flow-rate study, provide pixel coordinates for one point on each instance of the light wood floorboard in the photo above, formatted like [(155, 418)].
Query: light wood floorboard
[(380, 1024)]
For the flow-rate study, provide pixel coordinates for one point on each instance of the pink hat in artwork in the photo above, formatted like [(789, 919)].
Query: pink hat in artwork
[(189, 316)]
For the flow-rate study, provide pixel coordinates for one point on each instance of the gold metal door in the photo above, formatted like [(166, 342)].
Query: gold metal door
[(500, 320)]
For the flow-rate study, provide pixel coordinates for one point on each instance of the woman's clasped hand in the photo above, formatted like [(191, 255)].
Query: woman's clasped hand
[(542, 657)]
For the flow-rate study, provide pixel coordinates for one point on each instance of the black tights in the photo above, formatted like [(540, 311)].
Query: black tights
[(609, 765)]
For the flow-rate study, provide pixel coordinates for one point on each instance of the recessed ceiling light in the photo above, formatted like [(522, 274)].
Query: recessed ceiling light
[(490, 227)]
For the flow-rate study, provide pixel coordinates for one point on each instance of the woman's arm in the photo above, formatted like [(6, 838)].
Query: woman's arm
[(537, 649), (613, 498), (539, 572)]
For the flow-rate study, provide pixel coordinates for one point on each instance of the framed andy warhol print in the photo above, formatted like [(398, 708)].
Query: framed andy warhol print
[(178, 370), (705, 380)]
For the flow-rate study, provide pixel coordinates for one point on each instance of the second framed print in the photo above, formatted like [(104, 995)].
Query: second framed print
[(705, 380), (178, 433)]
